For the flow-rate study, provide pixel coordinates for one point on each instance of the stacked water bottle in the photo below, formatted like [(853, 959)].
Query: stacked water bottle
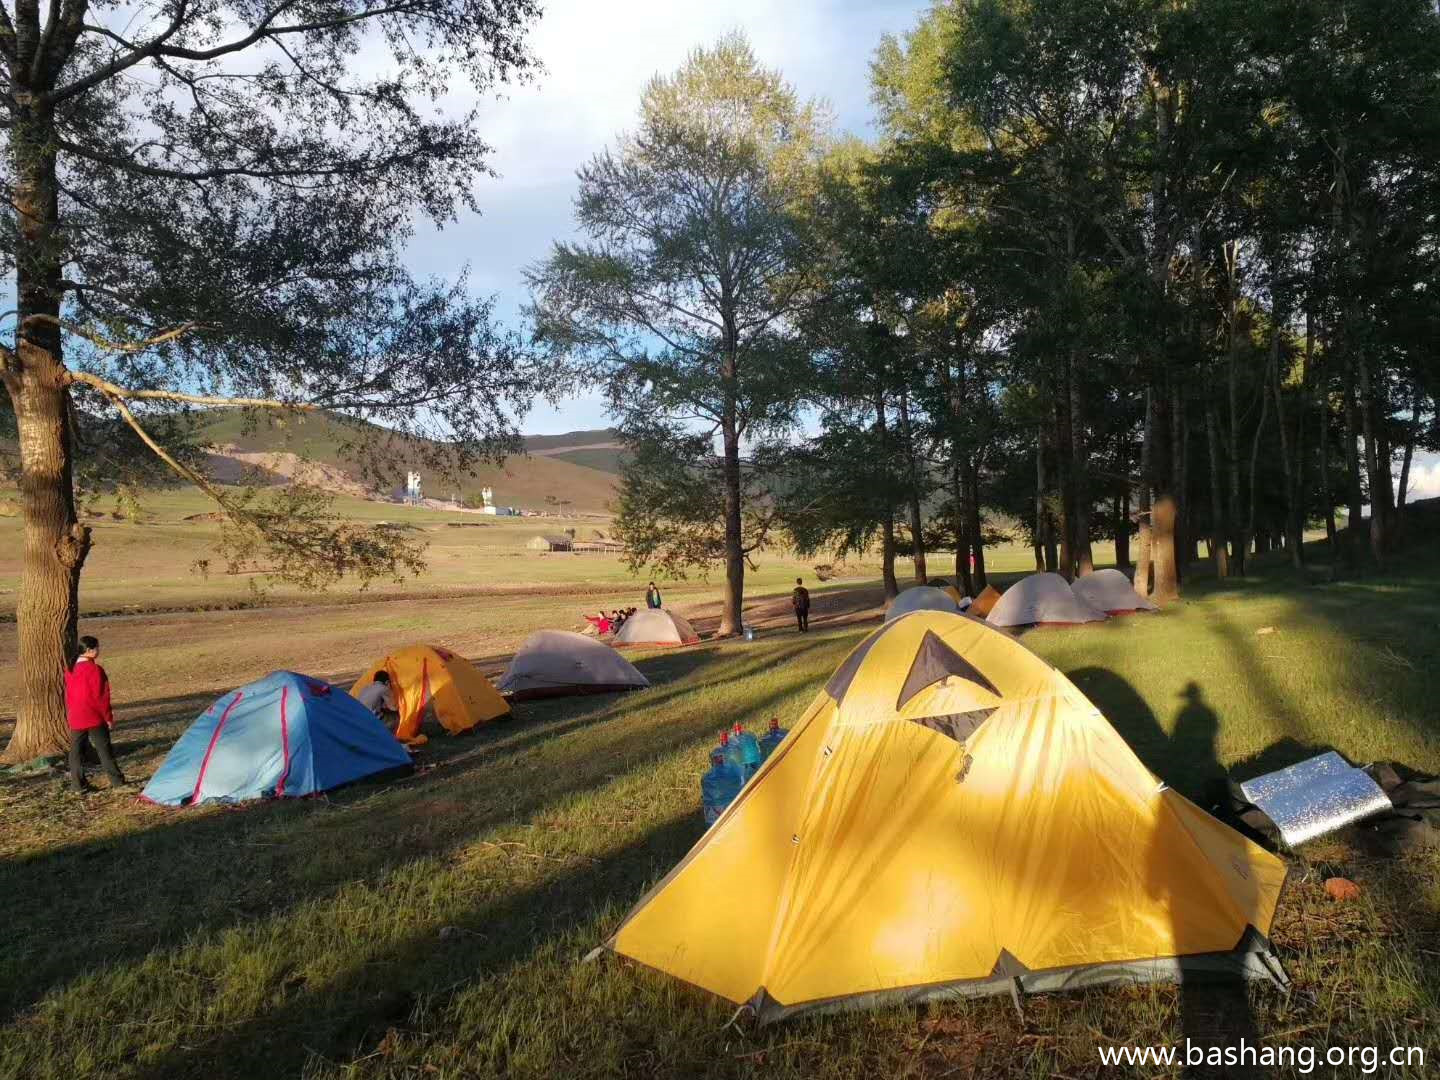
[(732, 763)]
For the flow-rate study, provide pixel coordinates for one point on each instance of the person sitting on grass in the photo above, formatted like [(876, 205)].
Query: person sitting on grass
[(603, 625), (87, 709), (379, 697)]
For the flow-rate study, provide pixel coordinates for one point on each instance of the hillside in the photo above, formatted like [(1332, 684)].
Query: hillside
[(528, 482)]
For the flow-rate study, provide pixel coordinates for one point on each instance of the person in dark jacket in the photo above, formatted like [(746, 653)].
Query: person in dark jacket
[(87, 709), (800, 601), (652, 597)]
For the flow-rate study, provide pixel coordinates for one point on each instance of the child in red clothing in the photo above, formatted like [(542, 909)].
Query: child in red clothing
[(87, 708)]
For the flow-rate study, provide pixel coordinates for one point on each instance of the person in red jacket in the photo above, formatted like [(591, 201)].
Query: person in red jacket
[(87, 708)]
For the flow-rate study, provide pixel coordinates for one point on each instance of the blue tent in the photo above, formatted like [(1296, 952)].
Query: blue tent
[(282, 736)]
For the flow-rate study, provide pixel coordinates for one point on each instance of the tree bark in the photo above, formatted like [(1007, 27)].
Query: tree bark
[(1045, 534), (1180, 464), (1162, 512), (55, 543), (1122, 505), (1354, 491), (887, 524), (1067, 486), (1142, 562), (1079, 472), (963, 576), (1255, 440), (1288, 464), (1411, 435), (917, 529), (1219, 552), (1377, 468), (1237, 521), (977, 535), (1322, 445), (733, 599)]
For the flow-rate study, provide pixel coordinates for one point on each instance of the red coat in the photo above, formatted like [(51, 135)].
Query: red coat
[(87, 696)]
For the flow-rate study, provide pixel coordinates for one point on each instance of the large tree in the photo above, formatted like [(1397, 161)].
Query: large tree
[(683, 297), (204, 207)]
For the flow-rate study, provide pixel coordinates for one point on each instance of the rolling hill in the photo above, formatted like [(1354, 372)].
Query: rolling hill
[(545, 476)]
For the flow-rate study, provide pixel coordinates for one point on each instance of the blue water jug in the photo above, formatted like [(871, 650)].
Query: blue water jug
[(749, 749), (772, 738), (718, 787)]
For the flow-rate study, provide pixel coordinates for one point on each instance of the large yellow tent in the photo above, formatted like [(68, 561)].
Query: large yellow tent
[(427, 676), (952, 817)]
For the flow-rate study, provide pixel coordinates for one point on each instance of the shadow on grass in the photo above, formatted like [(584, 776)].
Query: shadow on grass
[(199, 872), (1215, 1010), (348, 1016)]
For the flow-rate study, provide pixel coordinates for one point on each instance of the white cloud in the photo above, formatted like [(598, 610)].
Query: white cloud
[(598, 57), (1424, 478)]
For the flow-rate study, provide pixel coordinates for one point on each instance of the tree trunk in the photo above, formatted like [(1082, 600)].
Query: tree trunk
[(1045, 535), (55, 543), (1162, 538), (1219, 553), (1079, 473), (1289, 460), (1354, 492), (1377, 470), (1142, 563), (963, 576), (887, 524), (917, 529), (1322, 445), (1067, 487), (1122, 506), (1237, 520), (977, 536), (1162, 512), (1403, 491), (1255, 441), (732, 602), (1180, 465)]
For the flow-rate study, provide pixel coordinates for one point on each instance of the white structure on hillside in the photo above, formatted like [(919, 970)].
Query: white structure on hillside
[(487, 499), (412, 487)]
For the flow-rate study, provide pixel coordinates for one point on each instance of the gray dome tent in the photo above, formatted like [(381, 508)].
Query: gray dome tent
[(921, 598), (554, 663)]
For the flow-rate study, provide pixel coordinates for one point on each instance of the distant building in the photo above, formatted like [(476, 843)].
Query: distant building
[(550, 543)]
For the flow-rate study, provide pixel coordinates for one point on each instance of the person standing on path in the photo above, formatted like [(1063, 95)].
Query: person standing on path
[(800, 601), (87, 709), (652, 597)]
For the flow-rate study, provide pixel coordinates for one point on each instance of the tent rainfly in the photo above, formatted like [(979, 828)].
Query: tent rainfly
[(427, 679), (921, 598), (282, 736), (981, 606), (656, 626), (1111, 592), (554, 663), (951, 817), (1041, 600)]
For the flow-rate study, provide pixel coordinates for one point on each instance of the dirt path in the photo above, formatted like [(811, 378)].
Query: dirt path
[(162, 665)]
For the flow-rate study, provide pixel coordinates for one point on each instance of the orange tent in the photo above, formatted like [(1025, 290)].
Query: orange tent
[(984, 602), (427, 677)]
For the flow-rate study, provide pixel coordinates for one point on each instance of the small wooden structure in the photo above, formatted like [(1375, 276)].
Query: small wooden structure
[(550, 543)]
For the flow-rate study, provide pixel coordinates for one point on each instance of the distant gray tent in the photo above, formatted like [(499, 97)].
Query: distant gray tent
[(555, 663), (1111, 592), (659, 626), (1042, 599), (921, 598)]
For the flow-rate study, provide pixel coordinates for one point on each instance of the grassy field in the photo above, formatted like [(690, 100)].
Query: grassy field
[(434, 927)]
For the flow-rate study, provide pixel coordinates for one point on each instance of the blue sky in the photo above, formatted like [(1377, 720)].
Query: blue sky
[(598, 56)]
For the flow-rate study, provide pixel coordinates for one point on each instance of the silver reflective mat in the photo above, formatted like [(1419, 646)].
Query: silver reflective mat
[(1315, 797)]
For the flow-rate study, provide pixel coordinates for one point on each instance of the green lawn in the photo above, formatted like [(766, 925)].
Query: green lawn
[(434, 927)]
